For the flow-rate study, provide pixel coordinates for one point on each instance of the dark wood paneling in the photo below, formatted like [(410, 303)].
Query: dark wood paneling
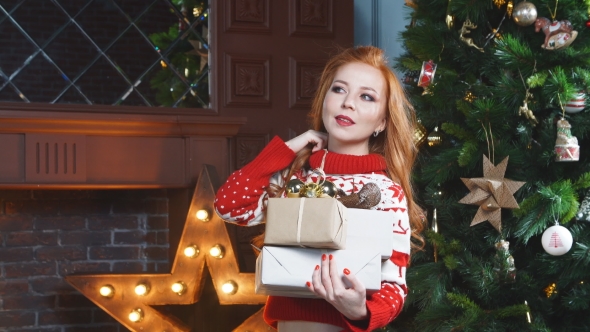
[(12, 163), (141, 160), (51, 158)]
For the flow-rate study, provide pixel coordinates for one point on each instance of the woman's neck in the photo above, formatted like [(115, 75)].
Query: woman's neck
[(360, 149)]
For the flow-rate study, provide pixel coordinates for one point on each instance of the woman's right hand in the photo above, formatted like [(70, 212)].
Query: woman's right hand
[(317, 138)]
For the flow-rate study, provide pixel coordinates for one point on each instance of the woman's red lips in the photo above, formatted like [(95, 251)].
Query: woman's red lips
[(344, 120)]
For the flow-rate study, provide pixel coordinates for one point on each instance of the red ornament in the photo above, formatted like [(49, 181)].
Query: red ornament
[(588, 24), (427, 73)]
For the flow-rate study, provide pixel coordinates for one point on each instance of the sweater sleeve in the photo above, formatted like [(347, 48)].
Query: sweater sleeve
[(241, 199), (387, 303)]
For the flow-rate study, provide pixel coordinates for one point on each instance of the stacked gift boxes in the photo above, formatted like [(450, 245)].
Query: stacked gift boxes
[(300, 230)]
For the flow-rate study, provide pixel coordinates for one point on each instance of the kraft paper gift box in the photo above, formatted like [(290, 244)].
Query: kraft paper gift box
[(284, 271), (307, 222)]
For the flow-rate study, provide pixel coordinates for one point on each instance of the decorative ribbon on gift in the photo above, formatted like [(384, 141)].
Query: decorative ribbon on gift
[(321, 188)]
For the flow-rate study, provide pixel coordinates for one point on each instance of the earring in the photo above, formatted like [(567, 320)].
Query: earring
[(375, 133)]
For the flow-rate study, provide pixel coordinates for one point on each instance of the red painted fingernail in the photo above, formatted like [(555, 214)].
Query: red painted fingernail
[(323, 257), (331, 256), (308, 284), (317, 267), (346, 271)]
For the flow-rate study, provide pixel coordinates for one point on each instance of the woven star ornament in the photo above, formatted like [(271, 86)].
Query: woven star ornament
[(492, 193)]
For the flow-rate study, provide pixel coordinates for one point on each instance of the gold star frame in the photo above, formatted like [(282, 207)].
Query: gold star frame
[(204, 236), (491, 193)]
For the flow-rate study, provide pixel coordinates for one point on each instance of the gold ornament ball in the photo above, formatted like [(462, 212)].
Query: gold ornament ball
[(419, 134), (434, 138), (524, 14)]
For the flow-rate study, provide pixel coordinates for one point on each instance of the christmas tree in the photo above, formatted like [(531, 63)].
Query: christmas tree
[(500, 91)]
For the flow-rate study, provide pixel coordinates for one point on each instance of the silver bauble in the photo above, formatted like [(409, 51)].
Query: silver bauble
[(329, 188), (525, 13), (294, 187)]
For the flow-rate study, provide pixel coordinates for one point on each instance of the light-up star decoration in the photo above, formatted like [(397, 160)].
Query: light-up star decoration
[(491, 193), (129, 297)]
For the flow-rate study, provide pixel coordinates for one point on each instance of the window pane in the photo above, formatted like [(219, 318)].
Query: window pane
[(112, 52)]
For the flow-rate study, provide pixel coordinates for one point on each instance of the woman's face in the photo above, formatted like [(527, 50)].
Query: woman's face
[(354, 108)]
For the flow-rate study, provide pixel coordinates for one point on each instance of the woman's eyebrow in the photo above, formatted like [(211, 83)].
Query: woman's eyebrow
[(362, 87)]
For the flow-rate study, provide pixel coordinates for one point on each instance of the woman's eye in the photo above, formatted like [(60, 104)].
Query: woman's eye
[(337, 89), (367, 97)]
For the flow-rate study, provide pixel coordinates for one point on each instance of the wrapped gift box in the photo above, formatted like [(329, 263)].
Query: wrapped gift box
[(284, 271), (307, 222), (371, 227)]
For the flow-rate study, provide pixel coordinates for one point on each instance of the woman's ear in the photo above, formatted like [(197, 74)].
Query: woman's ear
[(382, 124)]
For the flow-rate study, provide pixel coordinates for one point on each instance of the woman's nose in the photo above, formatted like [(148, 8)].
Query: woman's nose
[(348, 102)]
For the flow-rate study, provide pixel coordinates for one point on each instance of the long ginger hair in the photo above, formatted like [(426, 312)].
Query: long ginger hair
[(395, 143)]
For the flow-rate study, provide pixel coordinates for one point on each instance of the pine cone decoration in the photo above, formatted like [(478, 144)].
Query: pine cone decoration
[(368, 197)]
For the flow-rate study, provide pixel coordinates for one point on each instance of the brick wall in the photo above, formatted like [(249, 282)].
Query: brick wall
[(46, 235)]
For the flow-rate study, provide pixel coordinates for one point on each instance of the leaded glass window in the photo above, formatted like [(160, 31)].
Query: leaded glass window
[(108, 52)]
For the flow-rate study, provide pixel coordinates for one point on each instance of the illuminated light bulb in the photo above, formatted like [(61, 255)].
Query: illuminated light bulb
[(191, 251), (178, 287), (107, 291), (142, 289), (216, 251), (230, 287), (203, 215), (136, 315)]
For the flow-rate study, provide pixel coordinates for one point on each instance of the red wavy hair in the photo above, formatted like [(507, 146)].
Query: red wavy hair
[(395, 143)]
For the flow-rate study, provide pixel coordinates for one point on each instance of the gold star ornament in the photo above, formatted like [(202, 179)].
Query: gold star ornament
[(491, 193)]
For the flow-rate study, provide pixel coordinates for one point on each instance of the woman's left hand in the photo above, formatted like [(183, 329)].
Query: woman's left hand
[(327, 284)]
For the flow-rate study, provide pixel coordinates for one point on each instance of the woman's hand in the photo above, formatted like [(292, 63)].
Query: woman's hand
[(327, 284), (317, 138)]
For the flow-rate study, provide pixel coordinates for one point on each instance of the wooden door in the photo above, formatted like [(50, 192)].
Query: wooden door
[(269, 56)]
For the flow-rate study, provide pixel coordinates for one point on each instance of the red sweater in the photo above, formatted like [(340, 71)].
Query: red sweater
[(242, 200)]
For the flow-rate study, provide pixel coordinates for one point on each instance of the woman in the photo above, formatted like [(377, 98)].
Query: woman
[(361, 115)]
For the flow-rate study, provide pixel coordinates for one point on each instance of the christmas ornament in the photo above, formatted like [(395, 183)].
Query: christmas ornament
[(558, 34), (504, 268), (524, 13), (576, 104), (550, 290), (557, 240), (499, 3), (434, 138), (465, 29), (427, 73), (469, 96), (449, 19), (294, 187), (584, 210), (524, 109), (366, 198), (491, 193), (566, 145), (419, 134), (312, 189)]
